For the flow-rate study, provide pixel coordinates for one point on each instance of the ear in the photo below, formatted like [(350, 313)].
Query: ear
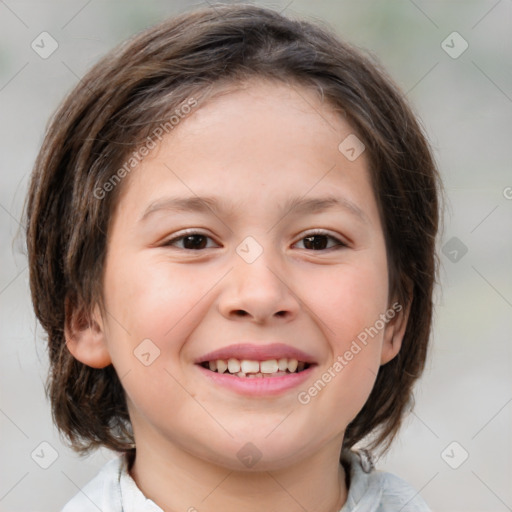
[(85, 336), (394, 330)]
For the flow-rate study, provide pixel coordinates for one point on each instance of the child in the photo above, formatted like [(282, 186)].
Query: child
[(231, 234)]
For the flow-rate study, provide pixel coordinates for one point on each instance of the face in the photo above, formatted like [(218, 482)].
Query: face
[(247, 240)]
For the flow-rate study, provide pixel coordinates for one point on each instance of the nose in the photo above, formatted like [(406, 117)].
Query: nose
[(258, 293)]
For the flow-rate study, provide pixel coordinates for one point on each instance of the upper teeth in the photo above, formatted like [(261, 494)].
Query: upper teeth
[(248, 366)]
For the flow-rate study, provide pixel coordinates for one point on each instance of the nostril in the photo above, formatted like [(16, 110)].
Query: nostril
[(242, 313)]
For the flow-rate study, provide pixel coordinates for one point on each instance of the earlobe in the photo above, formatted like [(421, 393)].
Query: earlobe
[(85, 337), (394, 331)]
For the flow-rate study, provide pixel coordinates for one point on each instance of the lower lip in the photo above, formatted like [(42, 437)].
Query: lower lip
[(258, 386)]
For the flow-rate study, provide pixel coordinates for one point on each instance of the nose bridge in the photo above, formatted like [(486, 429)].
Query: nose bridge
[(258, 284), (259, 277)]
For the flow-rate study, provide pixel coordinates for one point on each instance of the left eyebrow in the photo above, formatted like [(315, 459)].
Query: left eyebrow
[(320, 204)]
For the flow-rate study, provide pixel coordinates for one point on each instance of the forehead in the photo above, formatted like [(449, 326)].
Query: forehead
[(262, 142)]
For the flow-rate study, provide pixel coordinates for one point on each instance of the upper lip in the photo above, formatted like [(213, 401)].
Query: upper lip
[(257, 352)]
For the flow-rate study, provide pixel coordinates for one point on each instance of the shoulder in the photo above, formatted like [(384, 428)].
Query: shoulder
[(377, 491), (101, 493), (111, 490)]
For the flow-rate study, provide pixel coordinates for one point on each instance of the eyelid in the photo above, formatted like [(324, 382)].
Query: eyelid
[(187, 232), (340, 241)]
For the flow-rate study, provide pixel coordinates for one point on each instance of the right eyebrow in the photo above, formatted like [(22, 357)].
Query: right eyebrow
[(183, 204)]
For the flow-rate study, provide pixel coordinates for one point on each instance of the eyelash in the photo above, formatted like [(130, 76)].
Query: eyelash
[(339, 244), (183, 236)]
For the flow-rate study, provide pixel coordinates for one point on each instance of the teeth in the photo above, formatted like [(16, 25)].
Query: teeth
[(250, 366), (270, 366), (283, 364), (292, 365), (222, 366), (233, 365), (247, 368)]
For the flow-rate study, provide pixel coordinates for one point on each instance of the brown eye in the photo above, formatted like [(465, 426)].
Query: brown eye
[(316, 242), (320, 242), (194, 242)]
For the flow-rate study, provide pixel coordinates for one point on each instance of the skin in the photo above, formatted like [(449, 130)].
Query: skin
[(253, 149)]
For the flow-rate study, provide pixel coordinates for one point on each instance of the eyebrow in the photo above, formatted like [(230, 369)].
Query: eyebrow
[(218, 207), (320, 204)]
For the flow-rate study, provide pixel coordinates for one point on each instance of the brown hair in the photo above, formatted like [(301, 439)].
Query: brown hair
[(115, 108)]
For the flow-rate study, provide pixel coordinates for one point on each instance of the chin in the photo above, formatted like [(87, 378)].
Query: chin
[(247, 454)]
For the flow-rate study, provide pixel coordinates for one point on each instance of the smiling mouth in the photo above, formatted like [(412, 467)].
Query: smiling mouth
[(246, 368)]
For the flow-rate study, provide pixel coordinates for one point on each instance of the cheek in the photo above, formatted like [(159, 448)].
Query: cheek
[(349, 304), (348, 300), (152, 299), (152, 309)]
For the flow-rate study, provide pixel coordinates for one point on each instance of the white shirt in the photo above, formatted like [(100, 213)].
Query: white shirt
[(114, 490)]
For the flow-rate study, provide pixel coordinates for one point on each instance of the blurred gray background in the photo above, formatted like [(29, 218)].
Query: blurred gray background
[(456, 446)]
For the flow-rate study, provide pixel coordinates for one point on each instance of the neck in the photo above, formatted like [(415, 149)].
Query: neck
[(176, 480)]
